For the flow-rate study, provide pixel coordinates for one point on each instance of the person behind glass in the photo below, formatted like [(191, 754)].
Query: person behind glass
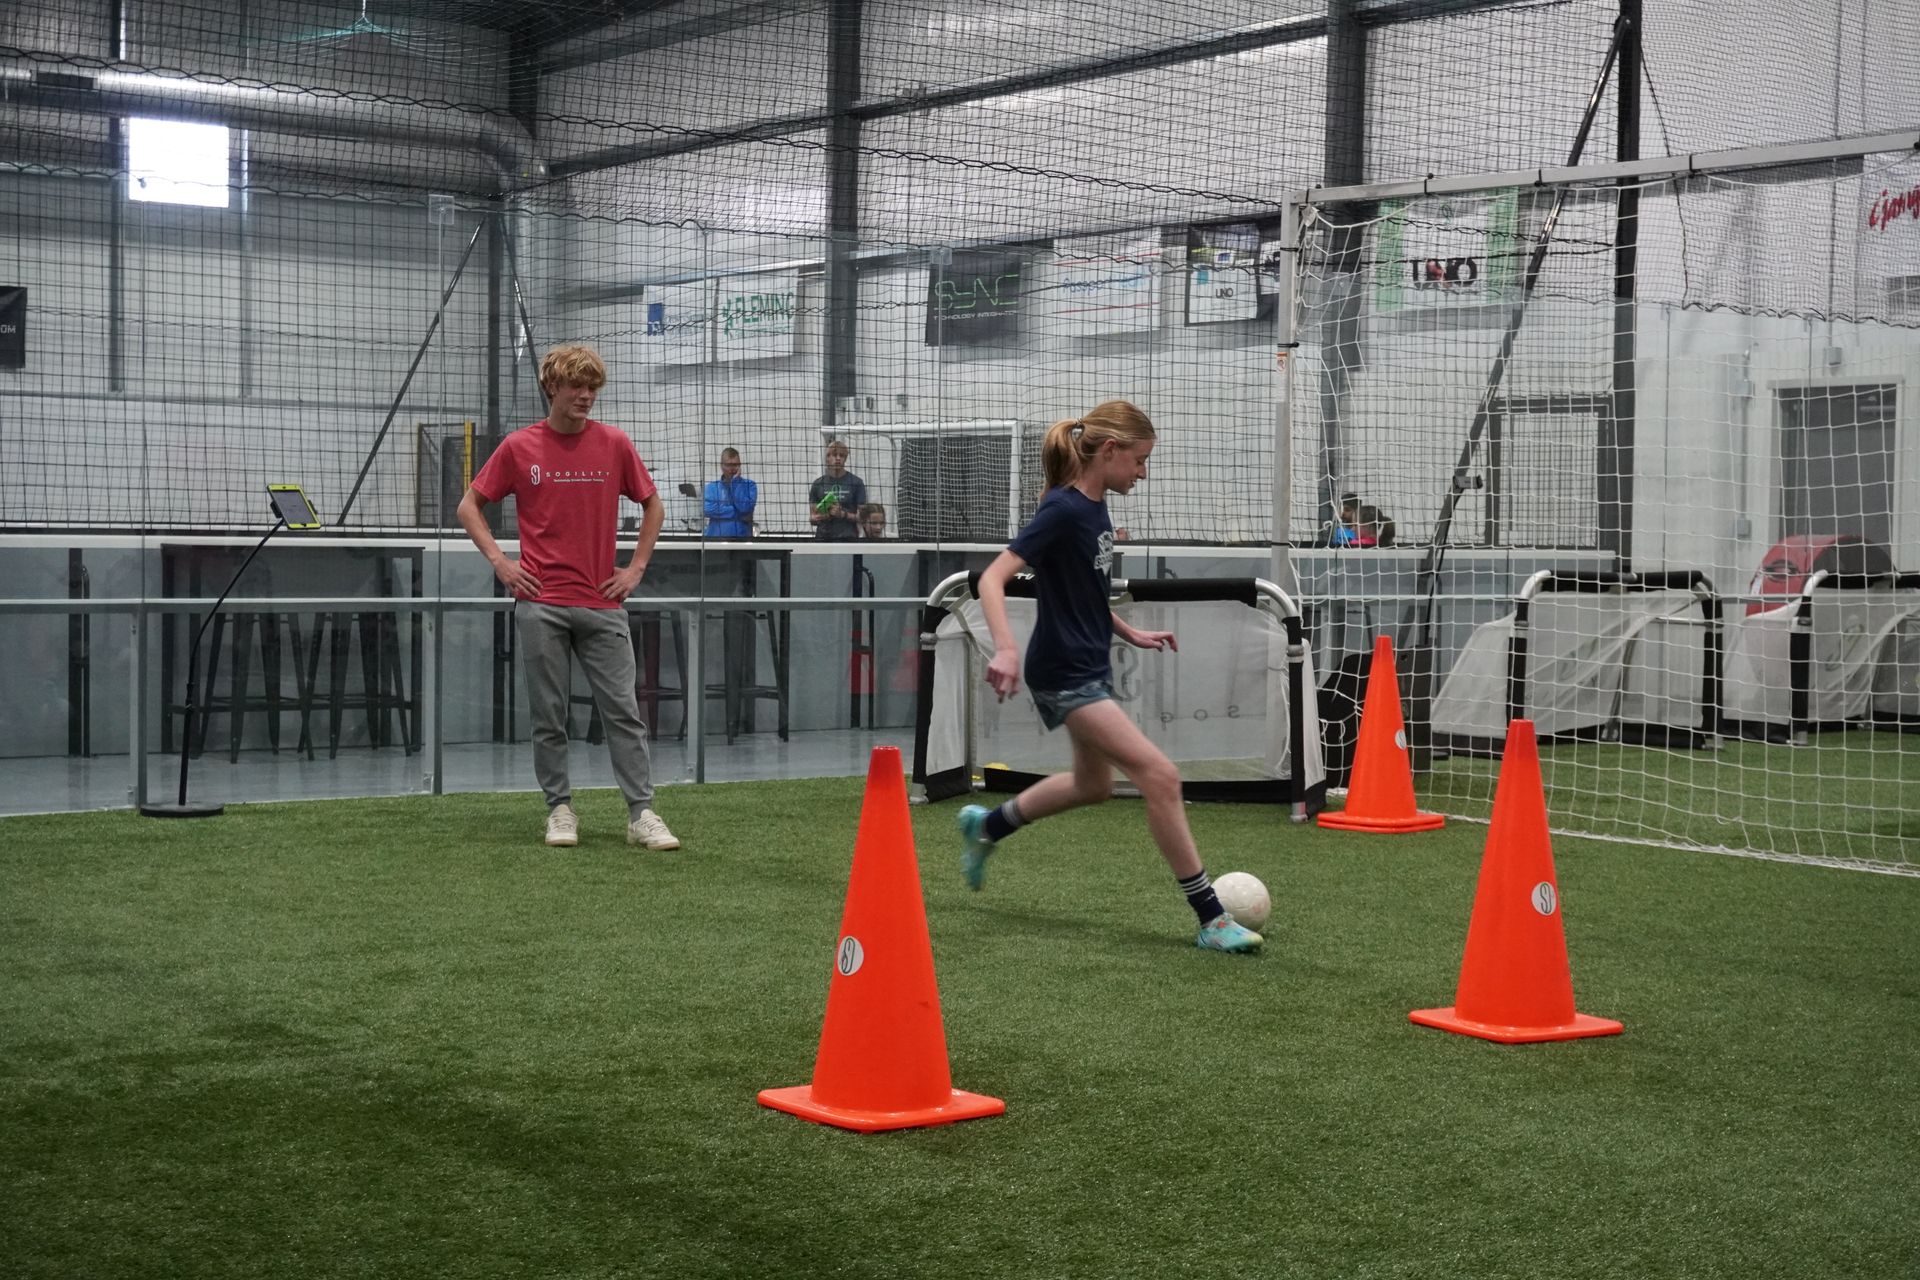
[(1346, 529), (568, 474), (836, 497), (730, 500), (1375, 526), (1069, 666), (873, 521), (1367, 522)]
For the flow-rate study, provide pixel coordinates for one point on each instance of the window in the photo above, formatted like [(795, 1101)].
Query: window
[(1548, 469), (1837, 461), (1903, 298), (173, 162)]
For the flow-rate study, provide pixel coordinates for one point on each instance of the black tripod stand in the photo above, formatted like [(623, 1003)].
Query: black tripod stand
[(180, 808), (291, 511)]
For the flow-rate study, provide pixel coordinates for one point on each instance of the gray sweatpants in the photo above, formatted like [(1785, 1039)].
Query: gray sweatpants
[(550, 637)]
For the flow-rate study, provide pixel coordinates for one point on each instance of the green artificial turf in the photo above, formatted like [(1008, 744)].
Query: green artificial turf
[(399, 1038), (1845, 796)]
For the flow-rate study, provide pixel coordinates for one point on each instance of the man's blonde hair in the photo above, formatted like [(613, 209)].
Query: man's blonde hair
[(573, 366)]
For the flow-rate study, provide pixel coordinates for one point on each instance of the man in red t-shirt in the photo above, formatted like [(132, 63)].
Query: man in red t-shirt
[(569, 474)]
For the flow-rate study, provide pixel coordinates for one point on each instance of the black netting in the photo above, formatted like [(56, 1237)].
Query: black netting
[(779, 224)]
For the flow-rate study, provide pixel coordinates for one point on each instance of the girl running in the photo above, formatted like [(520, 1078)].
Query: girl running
[(1069, 543)]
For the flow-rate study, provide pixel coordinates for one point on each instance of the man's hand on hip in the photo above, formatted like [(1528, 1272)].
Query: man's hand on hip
[(622, 583), (514, 577)]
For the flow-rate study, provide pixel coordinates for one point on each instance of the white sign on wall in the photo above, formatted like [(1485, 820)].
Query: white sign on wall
[(1222, 273), (1447, 252), (1104, 284), (1890, 240), (675, 319), (754, 318)]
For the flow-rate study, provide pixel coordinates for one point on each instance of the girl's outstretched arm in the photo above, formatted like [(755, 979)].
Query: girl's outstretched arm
[(1144, 639), (1003, 673)]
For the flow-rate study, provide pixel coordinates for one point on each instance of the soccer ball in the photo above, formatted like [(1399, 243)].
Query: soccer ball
[(1245, 897)]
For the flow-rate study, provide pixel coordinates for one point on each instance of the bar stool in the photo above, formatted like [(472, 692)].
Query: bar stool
[(241, 699), (646, 647), (644, 627), (740, 688), (382, 692)]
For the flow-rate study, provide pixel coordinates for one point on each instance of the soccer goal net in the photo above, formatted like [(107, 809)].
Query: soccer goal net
[(1235, 707), (1590, 656), (1843, 653), (967, 480), (1632, 372)]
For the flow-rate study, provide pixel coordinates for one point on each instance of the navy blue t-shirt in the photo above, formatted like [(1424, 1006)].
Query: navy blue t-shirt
[(1069, 544)]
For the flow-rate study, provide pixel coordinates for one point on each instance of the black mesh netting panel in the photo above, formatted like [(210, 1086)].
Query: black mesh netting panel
[(317, 241)]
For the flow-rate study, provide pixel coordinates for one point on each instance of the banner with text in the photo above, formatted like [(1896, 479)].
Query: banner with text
[(755, 316), (13, 327), (1890, 243), (676, 323), (975, 299), (1221, 273), (1105, 284), (1447, 252)]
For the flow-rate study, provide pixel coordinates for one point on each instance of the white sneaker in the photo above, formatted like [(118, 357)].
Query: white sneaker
[(647, 829), (563, 828)]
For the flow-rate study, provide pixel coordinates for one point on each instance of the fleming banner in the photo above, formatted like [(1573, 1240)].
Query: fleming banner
[(756, 316)]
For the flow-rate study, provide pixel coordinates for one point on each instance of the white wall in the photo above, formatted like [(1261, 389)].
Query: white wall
[(1708, 493), (221, 396)]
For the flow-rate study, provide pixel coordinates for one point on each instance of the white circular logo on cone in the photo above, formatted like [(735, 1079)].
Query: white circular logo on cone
[(1544, 898), (850, 957), (1400, 739)]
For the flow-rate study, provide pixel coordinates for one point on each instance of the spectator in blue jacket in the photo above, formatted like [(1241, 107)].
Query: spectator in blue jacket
[(730, 500)]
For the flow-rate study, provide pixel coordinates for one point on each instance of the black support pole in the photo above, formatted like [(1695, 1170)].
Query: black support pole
[(1345, 165), (79, 658), (497, 349), (840, 375), (116, 213), (1616, 450)]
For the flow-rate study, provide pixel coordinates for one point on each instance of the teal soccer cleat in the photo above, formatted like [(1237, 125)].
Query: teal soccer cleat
[(1224, 933), (974, 846)]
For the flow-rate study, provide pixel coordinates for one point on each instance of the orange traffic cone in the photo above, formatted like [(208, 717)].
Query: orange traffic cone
[(883, 1052), (1515, 986), (1380, 794)]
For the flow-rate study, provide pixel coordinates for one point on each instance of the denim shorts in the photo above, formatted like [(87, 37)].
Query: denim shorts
[(1055, 704)]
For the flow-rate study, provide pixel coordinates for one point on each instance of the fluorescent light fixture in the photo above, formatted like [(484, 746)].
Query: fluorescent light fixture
[(174, 162)]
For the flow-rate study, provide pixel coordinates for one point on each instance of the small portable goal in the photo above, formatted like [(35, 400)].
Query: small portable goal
[(1235, 707)]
